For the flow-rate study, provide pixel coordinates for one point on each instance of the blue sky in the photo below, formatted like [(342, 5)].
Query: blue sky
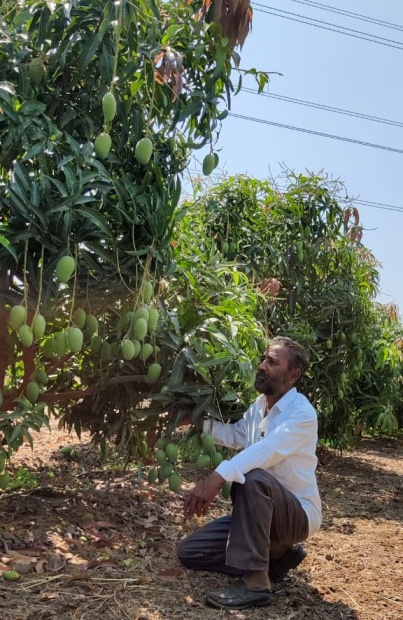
[(335, 70)]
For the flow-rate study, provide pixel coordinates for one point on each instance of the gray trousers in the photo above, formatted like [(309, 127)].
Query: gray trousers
[(266, 521)]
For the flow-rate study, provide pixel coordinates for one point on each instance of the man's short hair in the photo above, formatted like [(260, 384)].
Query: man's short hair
[(297, 356)]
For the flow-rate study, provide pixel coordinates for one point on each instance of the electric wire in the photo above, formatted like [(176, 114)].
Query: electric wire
[(351, 14), (357, 34), (316, 133), (326, 108)]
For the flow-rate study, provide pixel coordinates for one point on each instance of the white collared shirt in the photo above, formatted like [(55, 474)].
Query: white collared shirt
[(283, 443)]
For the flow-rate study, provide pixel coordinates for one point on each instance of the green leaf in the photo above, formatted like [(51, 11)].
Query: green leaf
[(97, 219), (216, 360), (32, 108), (5, 243)]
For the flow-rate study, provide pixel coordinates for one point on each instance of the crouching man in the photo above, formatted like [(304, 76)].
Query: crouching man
[(275, 498)]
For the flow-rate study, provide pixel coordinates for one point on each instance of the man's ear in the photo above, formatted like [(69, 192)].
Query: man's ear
[(295, 375)]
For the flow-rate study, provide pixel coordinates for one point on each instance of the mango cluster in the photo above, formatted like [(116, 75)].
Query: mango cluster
[(138, 328), (166, 456), (103, 141), (210, 457)]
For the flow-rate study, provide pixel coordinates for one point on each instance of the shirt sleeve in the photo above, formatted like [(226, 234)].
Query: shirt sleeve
[(229, 435), (283, 441)]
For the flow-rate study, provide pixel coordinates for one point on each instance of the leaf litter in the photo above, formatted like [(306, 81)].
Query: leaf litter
[(103, 543)]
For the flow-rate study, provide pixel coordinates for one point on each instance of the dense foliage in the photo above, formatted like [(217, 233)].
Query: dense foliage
[(320, 283), (101, 103)]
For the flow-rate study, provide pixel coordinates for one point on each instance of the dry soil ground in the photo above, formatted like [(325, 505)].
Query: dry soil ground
[(95, 542)]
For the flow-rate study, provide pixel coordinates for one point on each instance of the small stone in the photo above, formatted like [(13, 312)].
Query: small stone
[(23, 567)]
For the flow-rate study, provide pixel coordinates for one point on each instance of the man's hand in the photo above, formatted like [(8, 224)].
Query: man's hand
[(199, 499)]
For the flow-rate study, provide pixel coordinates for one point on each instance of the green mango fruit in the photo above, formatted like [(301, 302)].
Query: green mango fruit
[(143, 151), (74, 339), (137, 347), (32, 391), (172, 452), (174, 481), (128, 349), (208, 444), (152, 475), (102, 145), (42, 377), (10, 575), (203, 461), (49, 348), (209, 163), (165, 471), (226, 490), (96, 344), (216, 459), (146, 351), (79, 317), (91, 323), (25, 335), (153, 320), (154, 372), (141, 313), (60, 343), (148, 292), (38, 327), (65, 268), (18, 315), (140, 329), (160, 456), (109, 107), (161, 443)]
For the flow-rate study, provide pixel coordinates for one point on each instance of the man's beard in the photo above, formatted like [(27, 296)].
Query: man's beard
[(264, 385)]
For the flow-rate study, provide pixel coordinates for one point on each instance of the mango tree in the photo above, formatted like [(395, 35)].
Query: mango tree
[(101, 103), (303, 250)]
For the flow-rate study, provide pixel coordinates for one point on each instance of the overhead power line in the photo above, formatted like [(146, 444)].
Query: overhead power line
[(327, 108), (377, 205), (358, 16), (303, 19), (317, 133)]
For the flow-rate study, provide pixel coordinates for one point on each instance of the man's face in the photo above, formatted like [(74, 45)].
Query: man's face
[(273, 376)]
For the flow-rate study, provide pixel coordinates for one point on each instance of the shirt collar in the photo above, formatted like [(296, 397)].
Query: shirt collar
[(285, 400)]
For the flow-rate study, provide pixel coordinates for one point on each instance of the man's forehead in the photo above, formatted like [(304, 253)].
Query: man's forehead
[(277, 350)]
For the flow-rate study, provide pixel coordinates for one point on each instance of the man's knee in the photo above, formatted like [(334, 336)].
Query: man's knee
[(183, 552), (259, 478)]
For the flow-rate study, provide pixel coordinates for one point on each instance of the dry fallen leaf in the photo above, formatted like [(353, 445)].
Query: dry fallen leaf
[(98, 563), (171, 574), (40, 566)]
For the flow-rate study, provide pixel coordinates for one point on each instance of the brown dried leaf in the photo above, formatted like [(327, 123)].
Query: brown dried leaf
[(108, 525), (171, 574), (78, 577), (74, 542), (40, 566), (98, 563)]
